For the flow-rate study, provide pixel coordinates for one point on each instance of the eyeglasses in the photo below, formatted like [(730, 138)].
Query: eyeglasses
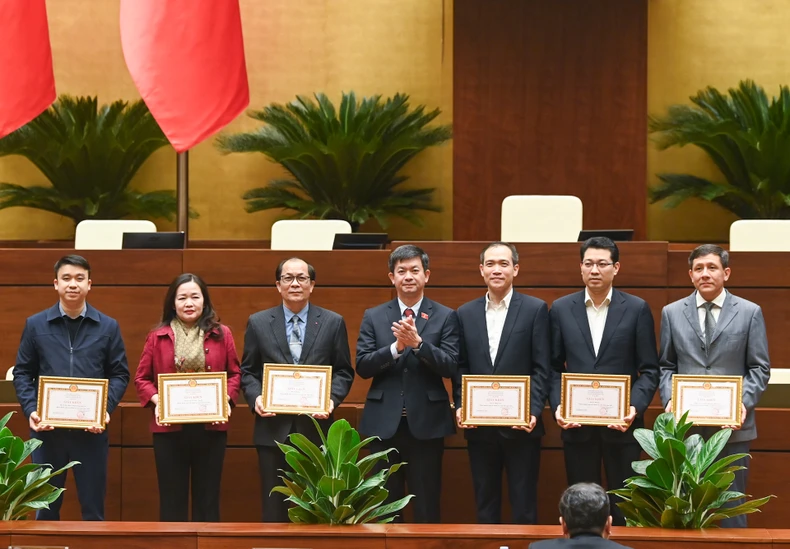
[(288, 279), (600, 264)]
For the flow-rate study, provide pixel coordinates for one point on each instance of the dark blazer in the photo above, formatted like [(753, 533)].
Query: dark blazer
[(98, 352), (578, 542), (628, 346), (523, 350), (325, 344), (414, 381)]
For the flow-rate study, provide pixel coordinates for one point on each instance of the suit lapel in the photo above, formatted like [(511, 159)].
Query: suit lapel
[(393, 315), (277, 323), (424, 315), (580, 314), (728, 313), (311, 330), (690, 311), (481, 330), (510, 321), (613, 317)]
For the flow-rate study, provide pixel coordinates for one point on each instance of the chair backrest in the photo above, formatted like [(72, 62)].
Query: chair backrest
[(760, 235), (107, 234), (541, 218), (9, 374), (307, 234)]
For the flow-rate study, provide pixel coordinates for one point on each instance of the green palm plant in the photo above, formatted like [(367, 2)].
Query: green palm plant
[(344, 162), (748, 139), (89, 154)]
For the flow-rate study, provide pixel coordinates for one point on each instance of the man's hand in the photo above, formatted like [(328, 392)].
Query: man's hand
[(326, 415), (628, 420), (564, 425), (97, 430), (459, 416), (668, 408), (528, 428), (36, 425), (259, 408), (743, 420), (230, 411), (405, 331)]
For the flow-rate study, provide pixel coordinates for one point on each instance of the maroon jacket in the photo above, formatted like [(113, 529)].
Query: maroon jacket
[(159, 358)]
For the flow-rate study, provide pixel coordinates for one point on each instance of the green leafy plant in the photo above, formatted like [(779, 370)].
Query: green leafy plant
[(24, 487), (344, 162), (329, 486), (748, 139), (89, 154), (682, 486)]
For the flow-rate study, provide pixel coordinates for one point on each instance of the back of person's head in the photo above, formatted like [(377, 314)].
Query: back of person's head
[(584, 509)]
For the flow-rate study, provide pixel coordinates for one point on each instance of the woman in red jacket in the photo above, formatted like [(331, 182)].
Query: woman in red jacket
[(188, 339)]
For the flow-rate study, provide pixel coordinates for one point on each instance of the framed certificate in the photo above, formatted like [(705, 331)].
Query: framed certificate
[(199, 397), (495, 400), (296, 389), (709, 400), (72, 402), (591, 399)]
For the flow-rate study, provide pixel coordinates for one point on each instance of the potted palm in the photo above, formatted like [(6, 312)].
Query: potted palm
[(343, 163), (746, 135), (89, 154), (327, 485)]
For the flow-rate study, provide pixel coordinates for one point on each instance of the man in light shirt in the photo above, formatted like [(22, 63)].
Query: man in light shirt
[(601, 330), (713, 332), (505, 332)]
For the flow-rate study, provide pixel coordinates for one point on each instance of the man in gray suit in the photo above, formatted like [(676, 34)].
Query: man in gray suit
[(713, 332), (295, 332)]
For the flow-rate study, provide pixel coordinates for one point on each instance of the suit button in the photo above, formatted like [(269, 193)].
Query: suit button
[(707, 367), (405, 370), (401, 393)]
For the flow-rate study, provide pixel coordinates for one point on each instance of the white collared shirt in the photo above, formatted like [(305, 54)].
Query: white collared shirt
[(596, 317), (718, 303), (495, 322), (403, 307)]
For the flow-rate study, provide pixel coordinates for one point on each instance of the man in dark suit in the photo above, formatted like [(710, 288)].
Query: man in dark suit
[(505, 333), (296, 332), (713, 332), (585, 519), (601, 330), (408, 345)]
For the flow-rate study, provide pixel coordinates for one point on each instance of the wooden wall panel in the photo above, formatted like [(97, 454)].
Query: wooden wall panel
[(549, 99)]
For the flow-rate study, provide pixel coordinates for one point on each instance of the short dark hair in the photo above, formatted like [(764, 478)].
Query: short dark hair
[(72, 259), (601, 243), (585, 508), (279, 270), (208, 319), (710, 249), (513, 250), (408, 251)]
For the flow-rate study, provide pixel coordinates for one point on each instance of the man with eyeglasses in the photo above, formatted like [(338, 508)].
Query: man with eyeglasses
[(601, 330), (294, 332)]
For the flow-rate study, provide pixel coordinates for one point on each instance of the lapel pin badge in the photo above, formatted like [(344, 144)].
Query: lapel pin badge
[(424, 316)]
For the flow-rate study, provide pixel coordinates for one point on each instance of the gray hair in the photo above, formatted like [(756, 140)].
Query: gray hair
[(585, 508)]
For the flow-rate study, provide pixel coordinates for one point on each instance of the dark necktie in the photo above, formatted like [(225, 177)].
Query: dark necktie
[(710, 324)]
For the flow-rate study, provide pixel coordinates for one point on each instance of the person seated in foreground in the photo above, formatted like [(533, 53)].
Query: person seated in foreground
[(585, 520)]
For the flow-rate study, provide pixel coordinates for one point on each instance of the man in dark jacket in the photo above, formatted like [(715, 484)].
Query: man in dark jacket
[(72, 339)]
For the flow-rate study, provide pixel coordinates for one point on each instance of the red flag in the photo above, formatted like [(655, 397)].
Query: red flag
[(186, 58), (27, 85)]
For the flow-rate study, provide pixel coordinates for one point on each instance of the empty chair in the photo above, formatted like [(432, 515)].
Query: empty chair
[(541, 218), (107, 234), (760, 235), (307, 234)]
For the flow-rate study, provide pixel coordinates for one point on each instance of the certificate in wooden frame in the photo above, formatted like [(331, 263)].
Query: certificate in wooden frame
[(621, 384), (471, 384), (52, 389), (208, 412), (732, 384), (279, 374)]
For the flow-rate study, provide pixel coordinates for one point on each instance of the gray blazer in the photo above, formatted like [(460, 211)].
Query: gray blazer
[(739, 346)]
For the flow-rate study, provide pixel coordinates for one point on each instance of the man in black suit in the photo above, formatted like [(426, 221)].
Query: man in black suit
[(408, 345), (295, 332), (585, 519), (505, 333), (601, 330)]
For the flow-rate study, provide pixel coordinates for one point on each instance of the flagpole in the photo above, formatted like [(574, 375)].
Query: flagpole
[(182, 194)]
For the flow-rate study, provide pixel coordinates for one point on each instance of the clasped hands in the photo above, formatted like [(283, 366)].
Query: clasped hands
[(260, 412), (459, 416), (565, 425), (405, 332)]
